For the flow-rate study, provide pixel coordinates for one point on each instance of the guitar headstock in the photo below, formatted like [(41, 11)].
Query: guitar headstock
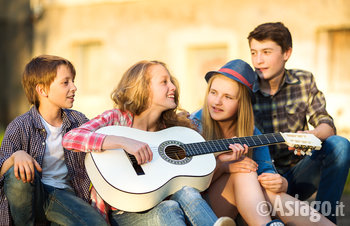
[(305, 142)]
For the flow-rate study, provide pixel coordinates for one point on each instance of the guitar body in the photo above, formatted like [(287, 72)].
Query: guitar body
[(118, 183)]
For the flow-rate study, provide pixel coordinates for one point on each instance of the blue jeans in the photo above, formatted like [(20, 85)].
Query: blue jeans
[(33, 202), (185, 207), (326, 170)]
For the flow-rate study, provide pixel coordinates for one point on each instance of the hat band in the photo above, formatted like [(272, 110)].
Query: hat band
[(237, 75)]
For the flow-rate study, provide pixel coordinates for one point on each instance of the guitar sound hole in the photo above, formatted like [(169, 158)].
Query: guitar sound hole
[(175, 152)]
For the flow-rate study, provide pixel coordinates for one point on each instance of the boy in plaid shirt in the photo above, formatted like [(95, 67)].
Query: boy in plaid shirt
[(40, 181), (287, 101)]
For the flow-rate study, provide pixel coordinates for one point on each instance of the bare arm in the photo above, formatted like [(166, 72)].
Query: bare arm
[(140, 150), (322, 131), (273, 182)]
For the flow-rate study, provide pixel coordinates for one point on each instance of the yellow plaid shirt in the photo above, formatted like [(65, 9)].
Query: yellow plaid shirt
[(296, 104)]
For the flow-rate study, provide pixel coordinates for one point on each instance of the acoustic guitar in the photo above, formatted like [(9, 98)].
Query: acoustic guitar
[(180, 157)]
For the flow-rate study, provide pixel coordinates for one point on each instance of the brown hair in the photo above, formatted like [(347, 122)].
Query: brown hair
[(276, 32), (133, 92), (42, 70)]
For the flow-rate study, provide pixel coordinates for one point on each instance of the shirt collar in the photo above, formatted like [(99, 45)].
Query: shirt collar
[(66, 121), (288, 78), (36, 117), (37, 122)]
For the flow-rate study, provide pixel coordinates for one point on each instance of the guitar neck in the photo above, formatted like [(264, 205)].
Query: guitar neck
[(214, 146)]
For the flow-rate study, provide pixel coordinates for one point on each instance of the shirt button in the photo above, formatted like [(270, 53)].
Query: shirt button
[(43, 143)]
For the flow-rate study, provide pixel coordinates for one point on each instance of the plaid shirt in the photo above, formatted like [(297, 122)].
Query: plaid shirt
[(85, 139), (27, 133), (296, 103)]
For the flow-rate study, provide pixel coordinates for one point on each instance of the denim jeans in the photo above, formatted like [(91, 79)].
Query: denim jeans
[(32, 202), (197, 210), (185, 207), (326, 170)]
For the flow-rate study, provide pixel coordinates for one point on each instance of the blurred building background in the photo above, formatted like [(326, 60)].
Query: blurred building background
[(104, 37)]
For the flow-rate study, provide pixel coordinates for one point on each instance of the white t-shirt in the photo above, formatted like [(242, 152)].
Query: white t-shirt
[(54, 169)]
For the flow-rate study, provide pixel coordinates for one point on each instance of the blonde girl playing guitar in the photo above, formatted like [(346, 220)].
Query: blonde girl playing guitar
[(146, 98)]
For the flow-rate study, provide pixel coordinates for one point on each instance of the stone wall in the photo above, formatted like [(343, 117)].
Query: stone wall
[(103, 38)]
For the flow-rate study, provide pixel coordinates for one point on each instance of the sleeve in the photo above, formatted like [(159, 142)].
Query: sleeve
[(85, 138), (196, 119), (10, 143), (261, 156), (317, 106)]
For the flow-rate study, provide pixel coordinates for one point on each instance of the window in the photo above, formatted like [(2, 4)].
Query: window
[(339, 52), (88, 64), (200, 60)]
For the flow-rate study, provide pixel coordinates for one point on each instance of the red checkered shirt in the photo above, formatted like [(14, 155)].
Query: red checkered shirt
[(85, 139)]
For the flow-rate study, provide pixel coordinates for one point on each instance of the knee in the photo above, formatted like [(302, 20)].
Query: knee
[(13, 186), (168, 211), (188, 190), (169, 206), (339, 147), (187, 193), (337, 142), (11, 181)]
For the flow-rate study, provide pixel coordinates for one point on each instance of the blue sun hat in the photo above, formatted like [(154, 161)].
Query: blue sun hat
[(239, 71)]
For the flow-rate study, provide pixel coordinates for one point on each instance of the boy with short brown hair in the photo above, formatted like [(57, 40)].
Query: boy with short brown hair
[(40, 181), (287, 100)]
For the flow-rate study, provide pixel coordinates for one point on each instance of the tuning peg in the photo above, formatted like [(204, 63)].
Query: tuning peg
[(308, 152)]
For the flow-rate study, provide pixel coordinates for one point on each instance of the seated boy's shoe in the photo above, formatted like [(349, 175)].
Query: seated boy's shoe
[(275, 223), (225, 221)]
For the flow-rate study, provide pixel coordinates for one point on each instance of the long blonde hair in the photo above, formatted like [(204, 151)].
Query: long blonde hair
[(245, 115), (133, 92)]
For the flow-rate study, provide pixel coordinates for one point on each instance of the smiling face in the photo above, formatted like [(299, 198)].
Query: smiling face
[(268, 58), (62, 90), (223, 99), (162, 89)]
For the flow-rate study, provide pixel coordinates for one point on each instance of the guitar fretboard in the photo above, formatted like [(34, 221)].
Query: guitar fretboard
[(213, 146)]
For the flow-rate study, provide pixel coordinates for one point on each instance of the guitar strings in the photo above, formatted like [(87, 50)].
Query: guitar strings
[(212, 146), (173, 152)]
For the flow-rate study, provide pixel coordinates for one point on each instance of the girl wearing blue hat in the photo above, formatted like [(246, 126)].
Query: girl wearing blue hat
[(243, 180)]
